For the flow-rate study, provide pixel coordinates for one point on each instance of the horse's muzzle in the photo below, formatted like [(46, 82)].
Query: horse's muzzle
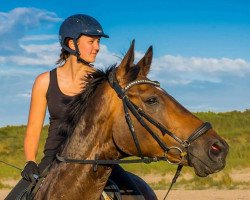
[(208, 159)]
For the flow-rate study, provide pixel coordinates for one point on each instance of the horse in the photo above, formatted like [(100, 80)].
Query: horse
[(122, 113)]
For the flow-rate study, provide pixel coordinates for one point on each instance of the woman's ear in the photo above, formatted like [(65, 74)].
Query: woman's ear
[(71, 44)]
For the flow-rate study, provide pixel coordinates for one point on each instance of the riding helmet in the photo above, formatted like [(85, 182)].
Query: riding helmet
[(75, 26)]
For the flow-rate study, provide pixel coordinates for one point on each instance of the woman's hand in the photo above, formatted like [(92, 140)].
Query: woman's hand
[(30, 170)]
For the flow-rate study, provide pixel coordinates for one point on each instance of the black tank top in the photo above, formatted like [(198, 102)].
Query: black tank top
[(57, 103)]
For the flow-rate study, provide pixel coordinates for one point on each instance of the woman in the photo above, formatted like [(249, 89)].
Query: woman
[(79, 37)]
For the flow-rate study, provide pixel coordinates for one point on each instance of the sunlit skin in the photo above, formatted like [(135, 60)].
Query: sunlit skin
[(89, 48), (70, 82)]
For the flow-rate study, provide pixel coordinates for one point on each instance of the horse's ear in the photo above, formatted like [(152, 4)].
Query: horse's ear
[(146, 61), (127, 61)]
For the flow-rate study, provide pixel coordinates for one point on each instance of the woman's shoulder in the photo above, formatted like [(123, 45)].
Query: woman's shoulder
[(42, 78), (42, 81)]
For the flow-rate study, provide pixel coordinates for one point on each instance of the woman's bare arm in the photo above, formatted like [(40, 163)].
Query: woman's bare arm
[(37, 113)]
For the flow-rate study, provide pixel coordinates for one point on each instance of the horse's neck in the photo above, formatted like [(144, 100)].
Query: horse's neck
[(85, 143), (91, 137), (89, 141), (80, 181)]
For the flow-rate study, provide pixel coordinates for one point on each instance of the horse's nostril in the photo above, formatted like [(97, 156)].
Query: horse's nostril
[(216, 149)]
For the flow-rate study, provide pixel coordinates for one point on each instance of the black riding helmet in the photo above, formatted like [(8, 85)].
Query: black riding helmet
[(75, 26)]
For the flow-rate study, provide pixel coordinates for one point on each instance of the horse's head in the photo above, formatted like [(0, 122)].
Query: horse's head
[(177, 135)]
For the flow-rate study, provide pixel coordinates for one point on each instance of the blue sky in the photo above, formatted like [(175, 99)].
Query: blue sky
[(201, 48)]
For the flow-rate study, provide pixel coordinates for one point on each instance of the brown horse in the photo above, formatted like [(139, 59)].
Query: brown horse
[(95, 125)]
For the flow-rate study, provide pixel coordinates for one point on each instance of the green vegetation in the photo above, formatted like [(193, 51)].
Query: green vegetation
[(233, 126), (5, 186), (11, 149)]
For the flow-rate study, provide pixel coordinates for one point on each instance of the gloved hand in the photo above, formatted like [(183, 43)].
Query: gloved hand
[(29, 170)]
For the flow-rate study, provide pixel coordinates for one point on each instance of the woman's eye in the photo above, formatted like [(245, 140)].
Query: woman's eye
[(152, 101)]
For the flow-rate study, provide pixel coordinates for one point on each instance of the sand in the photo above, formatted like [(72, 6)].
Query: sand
[(183, 194)]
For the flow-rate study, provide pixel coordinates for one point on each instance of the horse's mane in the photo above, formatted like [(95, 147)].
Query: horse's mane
[(78, 105)]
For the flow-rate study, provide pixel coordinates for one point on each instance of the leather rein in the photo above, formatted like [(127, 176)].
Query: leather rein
[(140, 115)]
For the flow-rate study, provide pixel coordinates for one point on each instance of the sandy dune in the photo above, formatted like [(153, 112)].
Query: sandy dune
[(191, 194), (182, 194)]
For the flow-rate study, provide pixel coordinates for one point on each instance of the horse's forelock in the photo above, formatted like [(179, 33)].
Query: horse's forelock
[(132, 73)]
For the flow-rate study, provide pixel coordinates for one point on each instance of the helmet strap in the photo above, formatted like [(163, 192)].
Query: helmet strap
[(69, 50), (79, 59), (76, 52)]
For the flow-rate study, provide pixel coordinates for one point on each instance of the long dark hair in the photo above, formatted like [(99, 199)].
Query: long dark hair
[(64, 54), (63, 57)]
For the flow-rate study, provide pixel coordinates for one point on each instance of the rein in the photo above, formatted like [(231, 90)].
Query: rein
[(140, 115), (97, 162)]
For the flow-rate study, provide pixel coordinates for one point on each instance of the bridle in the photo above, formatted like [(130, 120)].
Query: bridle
[(140, 115)]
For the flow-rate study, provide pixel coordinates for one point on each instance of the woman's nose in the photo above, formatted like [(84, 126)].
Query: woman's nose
[(96, 46)]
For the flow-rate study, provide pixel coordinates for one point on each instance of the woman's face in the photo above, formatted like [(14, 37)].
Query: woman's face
[(89, 47)]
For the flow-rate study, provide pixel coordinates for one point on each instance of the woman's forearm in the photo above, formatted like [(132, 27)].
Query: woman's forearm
[(31, 143)]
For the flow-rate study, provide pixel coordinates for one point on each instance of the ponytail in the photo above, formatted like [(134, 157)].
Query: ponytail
[(63, 57), (64, 54)]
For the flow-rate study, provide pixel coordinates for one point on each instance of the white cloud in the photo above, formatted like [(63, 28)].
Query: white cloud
[(184, 70), (15, 24), (179, 70), (48, 54), (24, 95), (106, 58), (2, 59), (42, 48), (25, 18), (29, 61), (8, 74), (35, 55), (39, 37), (197, 64)]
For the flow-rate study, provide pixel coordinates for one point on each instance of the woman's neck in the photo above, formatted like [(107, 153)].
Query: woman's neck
[(74, 69)]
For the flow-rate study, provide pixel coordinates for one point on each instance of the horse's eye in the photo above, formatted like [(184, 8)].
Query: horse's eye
[(151, 101)]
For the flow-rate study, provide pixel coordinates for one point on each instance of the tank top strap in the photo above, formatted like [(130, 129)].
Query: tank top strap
[(53, 80), (53, 88)]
